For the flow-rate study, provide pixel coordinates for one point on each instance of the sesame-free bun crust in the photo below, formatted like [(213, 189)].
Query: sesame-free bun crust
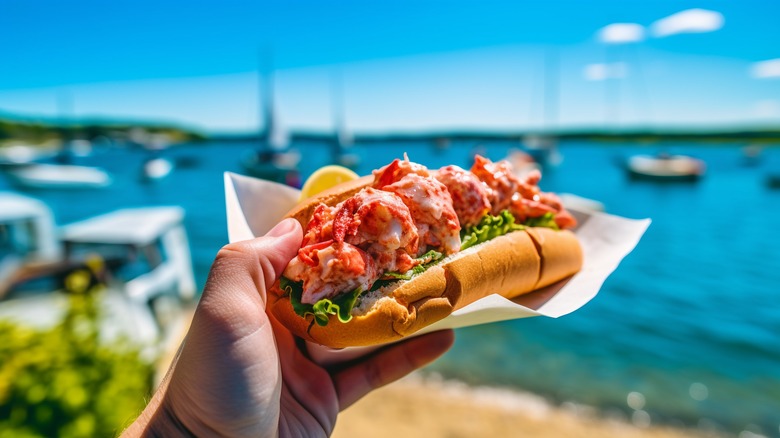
[(509, 265)]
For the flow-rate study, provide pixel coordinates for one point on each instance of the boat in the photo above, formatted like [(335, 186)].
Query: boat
[(543, 149), (441, 144), (58, 176), (145, 260), (342, 139), (542, 146), (752, 154), (28, 238), (21, 154), (340, 145), (665, 167), (773, 180), (277, 166), (522, 162), (149, 246), (272, 160), (156, 168)]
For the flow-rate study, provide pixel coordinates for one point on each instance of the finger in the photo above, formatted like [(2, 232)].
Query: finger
[(254, 265), (389, 365), (275, 250)]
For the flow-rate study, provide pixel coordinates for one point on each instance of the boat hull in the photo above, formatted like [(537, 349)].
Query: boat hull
[(665, 168), (53, 176)]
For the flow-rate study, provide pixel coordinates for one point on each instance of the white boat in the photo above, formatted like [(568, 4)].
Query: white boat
[(148, 269), (19, 154), (665, 167), (522, 162), (59, 176), (28, 237), (151, 241), (157, 168), (543, 149)]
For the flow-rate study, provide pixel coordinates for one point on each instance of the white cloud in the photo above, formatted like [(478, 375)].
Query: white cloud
[(620, 33), (766, 69), (602, 72), (688, 21)]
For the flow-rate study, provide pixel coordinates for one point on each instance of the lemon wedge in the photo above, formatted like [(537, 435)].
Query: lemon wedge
[(325, 178)]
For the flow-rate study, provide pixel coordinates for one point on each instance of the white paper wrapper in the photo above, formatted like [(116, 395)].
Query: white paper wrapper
[(254, 206)]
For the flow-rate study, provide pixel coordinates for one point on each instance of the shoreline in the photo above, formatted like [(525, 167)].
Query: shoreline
[(428, 406)]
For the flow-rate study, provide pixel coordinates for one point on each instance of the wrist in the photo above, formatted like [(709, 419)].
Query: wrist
[(165, 423), (158, 420)]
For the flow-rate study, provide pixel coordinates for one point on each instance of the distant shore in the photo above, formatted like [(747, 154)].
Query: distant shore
[(36, 132), (427, 407)]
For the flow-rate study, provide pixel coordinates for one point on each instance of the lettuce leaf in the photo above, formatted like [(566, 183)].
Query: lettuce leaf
[(546, 221), (341, 306), (488, 228), (427, 260), (493, 226)]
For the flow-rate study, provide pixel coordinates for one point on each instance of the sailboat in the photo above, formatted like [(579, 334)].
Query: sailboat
[(272, 160), (543, 146), (342, 138)]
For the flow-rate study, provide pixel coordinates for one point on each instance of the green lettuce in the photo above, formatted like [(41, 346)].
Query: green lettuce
[(341, 306), (488, 228), (546, 221), (427, 260), (493, 226)]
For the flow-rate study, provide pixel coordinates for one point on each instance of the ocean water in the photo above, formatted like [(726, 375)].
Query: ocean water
[(685, 332)]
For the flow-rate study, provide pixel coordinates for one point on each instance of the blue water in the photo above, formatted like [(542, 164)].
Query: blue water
[(690, 320)]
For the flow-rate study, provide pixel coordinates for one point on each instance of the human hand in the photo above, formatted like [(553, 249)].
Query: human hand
[(239, 372)]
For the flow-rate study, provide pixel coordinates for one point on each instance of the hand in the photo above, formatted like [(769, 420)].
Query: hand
[(239, 372)]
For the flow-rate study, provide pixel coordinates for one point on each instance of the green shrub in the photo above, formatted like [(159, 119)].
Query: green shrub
[(62, 382)]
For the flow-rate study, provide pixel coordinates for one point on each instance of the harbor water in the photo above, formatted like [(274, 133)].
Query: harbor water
[(685, 332)]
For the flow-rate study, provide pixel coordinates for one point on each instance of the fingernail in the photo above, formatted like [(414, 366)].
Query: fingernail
[(284, 227)]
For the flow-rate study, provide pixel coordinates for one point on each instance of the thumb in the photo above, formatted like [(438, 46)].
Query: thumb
[(275, 250), (263, 259)]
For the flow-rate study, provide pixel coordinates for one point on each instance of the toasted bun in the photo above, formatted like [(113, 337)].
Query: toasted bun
[(509, 265)]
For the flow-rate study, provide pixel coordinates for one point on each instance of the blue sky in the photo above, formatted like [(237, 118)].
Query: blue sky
[(404, 65)]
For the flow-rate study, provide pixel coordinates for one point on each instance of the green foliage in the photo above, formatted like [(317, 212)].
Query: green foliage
[(38, 132), (62, 382)]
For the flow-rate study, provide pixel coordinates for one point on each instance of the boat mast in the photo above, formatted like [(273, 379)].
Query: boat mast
[(67, 125), (266, 98), (551, 88), (341, 136)]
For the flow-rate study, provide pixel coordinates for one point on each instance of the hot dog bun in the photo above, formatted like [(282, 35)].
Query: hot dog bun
[(509, 265)]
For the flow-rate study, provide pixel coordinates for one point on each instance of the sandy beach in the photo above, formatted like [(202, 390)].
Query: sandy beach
[(425, 407)]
